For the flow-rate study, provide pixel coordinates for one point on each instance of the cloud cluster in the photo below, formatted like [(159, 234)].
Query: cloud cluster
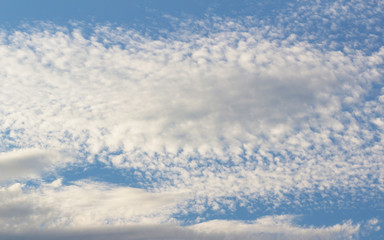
[(162, 103), (236, 108), (183, 94), (237, 112)]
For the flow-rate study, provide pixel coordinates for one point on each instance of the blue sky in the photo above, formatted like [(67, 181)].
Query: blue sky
[(128, 12), (191, 119)]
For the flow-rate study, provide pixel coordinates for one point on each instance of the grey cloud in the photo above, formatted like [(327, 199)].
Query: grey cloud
[(237, 230), (27, 163), (81, 204), (99, 211), (137, 232)]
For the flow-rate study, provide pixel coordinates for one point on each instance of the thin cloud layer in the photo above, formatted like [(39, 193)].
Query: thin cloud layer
[(96, 210), (28, 163), (270, 227), (80, 205)]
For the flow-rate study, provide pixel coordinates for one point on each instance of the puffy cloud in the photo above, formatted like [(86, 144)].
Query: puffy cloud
[(238, 112), (237, 109), (192, 94)]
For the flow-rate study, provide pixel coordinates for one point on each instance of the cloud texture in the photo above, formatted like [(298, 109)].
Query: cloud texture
[(235, 97), (235, 112)]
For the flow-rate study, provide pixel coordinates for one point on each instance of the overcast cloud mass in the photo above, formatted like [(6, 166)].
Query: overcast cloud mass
[(215, 128)]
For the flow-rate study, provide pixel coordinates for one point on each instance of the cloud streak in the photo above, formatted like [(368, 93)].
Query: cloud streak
[(271, 227), (81, 204), (27, 163)]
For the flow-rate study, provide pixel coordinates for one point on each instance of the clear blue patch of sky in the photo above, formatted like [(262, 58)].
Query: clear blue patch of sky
[(141, 14), (100, 172), (148, 16), (315, 210), (325, 214)]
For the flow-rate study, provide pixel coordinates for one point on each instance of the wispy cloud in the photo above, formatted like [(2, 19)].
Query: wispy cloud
[(28, 163), (269, 227), (81, 204)]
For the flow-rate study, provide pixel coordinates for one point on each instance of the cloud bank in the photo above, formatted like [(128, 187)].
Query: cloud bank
[(236, 112), (272, 114), (98, 211)]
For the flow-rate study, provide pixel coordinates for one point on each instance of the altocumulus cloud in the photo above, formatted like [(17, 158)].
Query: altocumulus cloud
[(235, 113), (162, 102)]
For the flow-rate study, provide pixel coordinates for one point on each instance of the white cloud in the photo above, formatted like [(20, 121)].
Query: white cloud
[(207, 231), (200, 94), (99, 211), (194, 97), (295, 109), (27, 163), (102, 211), (81, 205), (276, 227)]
